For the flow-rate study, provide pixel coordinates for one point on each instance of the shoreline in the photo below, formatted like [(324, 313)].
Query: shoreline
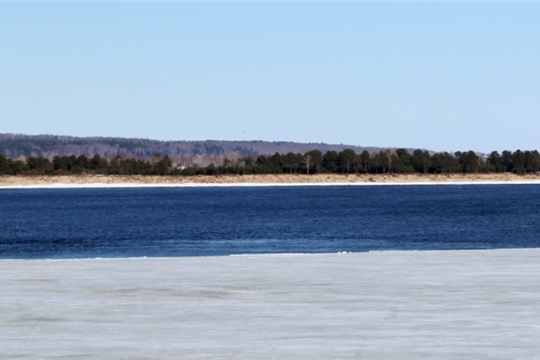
[(97, 181), (270, 255)]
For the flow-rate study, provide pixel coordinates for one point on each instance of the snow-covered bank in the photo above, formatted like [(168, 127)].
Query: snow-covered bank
[(89, 181), (157, 185), (379, 305)]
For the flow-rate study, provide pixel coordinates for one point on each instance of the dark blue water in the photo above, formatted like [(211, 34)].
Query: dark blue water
[(82, 223)]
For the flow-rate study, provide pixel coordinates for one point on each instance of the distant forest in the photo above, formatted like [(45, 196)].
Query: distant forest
[(347, 161), (184, 153)]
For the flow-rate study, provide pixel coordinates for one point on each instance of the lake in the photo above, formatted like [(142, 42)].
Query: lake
[(210, 221)]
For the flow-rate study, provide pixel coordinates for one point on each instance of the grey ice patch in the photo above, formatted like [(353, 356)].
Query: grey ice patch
[(378, 305)]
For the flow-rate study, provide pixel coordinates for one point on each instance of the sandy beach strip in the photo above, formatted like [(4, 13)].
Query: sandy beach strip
[(378, 305), (89, 181)]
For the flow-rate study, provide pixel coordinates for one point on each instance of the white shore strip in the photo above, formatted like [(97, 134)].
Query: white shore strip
[(253, 184), (379, 305)]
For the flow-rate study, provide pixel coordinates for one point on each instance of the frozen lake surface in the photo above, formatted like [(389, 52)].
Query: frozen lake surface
[(380, 305)]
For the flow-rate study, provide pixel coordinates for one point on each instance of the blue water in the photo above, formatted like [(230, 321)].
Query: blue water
[(83, 223)]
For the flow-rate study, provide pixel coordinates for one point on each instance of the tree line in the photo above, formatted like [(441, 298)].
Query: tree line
[(398, 161)]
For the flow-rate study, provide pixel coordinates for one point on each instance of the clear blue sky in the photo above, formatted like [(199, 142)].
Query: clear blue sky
[(442, 76)]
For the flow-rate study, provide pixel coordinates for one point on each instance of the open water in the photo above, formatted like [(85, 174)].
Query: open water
[(135, 222)]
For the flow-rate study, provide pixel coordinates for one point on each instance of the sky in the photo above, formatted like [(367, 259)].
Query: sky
[(444, 76)]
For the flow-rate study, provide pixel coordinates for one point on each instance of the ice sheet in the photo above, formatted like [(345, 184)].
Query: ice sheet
[(378, 305)]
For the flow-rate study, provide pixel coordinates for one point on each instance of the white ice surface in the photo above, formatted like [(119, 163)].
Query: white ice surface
[(379, 305)]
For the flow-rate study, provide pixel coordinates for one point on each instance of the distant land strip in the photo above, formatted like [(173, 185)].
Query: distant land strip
[(267, 179), (314, 162), (187, 153)]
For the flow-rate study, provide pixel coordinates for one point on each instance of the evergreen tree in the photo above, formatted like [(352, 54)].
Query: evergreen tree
[(330, 161), (313, 161), (4, 165), (532, 161), (518, 162), (496, 160), (365, 158), (346, 160), (39, 166), (421, 161), (469, 162), (507, 160)]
